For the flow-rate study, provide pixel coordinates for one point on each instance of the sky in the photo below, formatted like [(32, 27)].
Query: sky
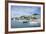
[(24, 10)]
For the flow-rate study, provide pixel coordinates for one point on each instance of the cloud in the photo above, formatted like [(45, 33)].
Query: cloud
[(24, 10)]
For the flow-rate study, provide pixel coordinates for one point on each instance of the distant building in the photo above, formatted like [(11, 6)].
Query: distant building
[(26, 19)]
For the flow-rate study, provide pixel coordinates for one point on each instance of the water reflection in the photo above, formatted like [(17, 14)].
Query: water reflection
[(17, 24)]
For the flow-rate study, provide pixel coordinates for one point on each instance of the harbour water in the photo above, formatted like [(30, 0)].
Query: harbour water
[(16, 24)]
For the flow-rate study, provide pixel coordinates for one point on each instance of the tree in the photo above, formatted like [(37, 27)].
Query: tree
[(34, 16)]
